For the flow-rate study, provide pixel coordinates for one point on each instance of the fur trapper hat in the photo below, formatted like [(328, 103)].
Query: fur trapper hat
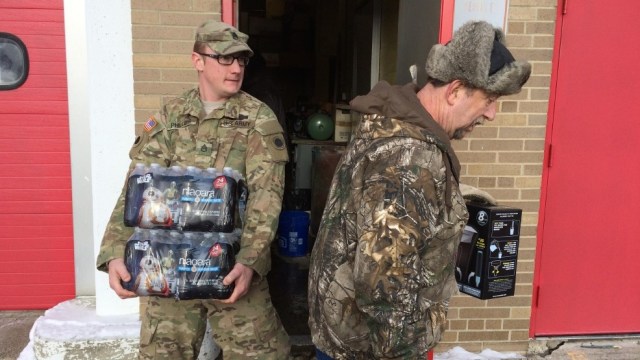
[(477, 56)]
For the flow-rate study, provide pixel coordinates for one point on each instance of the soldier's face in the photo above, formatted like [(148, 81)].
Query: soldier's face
[(223, 81)]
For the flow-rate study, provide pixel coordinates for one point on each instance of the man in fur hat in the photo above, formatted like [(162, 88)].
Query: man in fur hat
[(382, 267)]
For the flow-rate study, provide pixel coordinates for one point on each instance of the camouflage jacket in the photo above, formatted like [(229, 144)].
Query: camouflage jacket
[(245, 135), (382, 267)]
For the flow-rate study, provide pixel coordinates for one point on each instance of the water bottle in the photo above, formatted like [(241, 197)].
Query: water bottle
[(136, 184), (224, 187)]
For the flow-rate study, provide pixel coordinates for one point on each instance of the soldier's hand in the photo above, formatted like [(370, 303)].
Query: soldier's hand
[(117, 272), (242, 276)]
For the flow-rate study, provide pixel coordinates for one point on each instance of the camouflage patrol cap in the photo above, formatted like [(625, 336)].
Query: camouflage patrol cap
[(223, 38)]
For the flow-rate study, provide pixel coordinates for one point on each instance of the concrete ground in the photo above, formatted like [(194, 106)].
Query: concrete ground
[(14, 331)]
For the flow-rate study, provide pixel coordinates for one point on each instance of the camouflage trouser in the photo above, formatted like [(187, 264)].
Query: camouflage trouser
[(248, 329)]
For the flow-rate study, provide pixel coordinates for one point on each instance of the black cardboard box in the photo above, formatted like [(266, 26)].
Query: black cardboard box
[(488, 251)]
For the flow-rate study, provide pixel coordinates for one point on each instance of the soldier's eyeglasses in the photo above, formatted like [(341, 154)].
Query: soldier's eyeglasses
[(228, 59)]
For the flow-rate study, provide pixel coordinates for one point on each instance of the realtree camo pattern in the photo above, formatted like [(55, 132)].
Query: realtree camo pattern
[(382, 268), (246, 136)]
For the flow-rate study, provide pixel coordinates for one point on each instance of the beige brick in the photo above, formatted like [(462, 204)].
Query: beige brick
[(530, 54), (460, 145), (509, 324), (207, 5), (530, 194), (520, 157), (541, 68), (506, 182), (180, 5), (515, 27), (161, 61), (522, 13), (145, 46), (180, 75), (516, 40), (510, 119), (160, 32), (532, 169), (183, 48), (546, 14), (450, 336), (147, 102), (493, 324), (169, 89), (469, 180), (536, 80), (509, 106), (505, 194), (484, 132), (540, 94), (524, 205), (528, 182), (475, 324), (529, 132), (494, 169), (519, 335), (520, 312), (523, 289), (540, 107), (150, 74), (464, 301), (483, 313), (190, 19), (483, 335), (489, 145), (510, 301), (543, 41), (476, 157), (540, 27), (537, 119), (457, 324), (534, 145), (146, 17), (487, 182)]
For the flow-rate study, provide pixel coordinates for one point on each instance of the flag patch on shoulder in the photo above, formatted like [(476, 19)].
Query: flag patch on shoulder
[(150, 124)]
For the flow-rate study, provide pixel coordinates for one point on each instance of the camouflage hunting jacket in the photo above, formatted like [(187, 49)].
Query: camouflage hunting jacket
[(382, 267), (243, 134)]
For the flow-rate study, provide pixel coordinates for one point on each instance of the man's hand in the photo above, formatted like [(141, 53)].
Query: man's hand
[(117, 272), (242, 276)]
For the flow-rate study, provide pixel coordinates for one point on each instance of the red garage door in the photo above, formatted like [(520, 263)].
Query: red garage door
[(36, 235)]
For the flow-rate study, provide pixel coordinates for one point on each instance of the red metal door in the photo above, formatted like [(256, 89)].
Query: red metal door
[(36, 235), (588, 239)]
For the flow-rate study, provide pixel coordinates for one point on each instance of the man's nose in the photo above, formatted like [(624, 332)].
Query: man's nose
[(490, 113)]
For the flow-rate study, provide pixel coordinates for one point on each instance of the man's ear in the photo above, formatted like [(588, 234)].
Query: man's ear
[(198, 61), (454, 91)]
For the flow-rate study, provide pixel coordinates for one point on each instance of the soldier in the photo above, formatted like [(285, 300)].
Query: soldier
[(382, 267), (214, 125)]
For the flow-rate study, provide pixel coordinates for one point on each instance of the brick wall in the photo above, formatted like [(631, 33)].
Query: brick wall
[(163, 35), (504, 157)]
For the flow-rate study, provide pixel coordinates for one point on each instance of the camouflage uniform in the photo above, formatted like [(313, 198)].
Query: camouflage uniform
[(245, 135), (382, 267)]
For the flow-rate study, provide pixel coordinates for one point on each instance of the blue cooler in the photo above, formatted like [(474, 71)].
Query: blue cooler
[(293, 233)]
